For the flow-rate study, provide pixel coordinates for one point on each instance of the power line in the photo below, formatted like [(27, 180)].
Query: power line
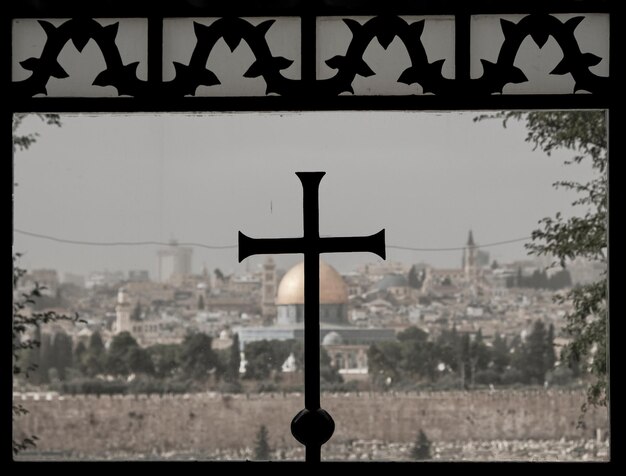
[(460, 248), (225, 247), (119, 243)]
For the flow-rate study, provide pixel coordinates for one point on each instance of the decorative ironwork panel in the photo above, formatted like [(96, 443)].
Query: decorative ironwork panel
[(540, 54), (386, 55), (80, 57), (312, 58), (230, 56)]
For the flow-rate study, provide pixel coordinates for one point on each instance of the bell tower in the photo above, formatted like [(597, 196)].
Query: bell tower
[(268, 292), (469, 258), (122, 311)]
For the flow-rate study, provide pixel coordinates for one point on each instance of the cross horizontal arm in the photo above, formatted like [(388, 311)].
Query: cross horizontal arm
[(372, 244), (268, 246)]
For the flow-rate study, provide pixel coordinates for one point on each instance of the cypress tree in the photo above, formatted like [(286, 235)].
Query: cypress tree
[(261, 446), (421, 448)]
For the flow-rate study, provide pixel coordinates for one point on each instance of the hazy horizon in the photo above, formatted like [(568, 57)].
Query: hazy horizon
[(427, 178)]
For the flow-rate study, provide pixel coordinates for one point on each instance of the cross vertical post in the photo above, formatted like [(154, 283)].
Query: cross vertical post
[(312, 426)]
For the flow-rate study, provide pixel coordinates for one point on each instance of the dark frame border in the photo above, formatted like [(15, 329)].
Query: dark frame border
[(308, 10)]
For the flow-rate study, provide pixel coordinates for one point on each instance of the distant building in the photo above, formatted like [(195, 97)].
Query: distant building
[(174, 262), (104, 278), (146, 331), (347, 345), (268, 290), (469, 264), (333, 296), (378, 270), (74, 279), (469, 275), (122, 312), (395, 284), (138, 275), (46, 278)]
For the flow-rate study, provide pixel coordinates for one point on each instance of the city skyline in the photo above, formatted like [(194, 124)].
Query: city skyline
[(464, 175)]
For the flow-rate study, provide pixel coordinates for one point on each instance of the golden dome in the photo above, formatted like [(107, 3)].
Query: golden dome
[(333, 290)]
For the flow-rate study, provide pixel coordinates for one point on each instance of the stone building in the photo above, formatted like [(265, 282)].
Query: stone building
[(333, 296), (346, 344)]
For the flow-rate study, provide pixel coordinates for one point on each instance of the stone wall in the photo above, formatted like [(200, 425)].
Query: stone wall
[(200, 423)]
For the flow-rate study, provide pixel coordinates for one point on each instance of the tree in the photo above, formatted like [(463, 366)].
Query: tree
[(417, 353), (413, 333), (463, 358), (137, 312), (266, 357), (80, 352), (94, 359), (415, 278), (165, 359), (139, 361), (33, 359), (421, 447), (25, 324), (261, 445), (197, 358), (328, 373), (534, 365), (500, 355), (46, 357), (549, 353), (383, 360), (479, 355), (234, 361), (118, 357), (62, 353), (584, 236)]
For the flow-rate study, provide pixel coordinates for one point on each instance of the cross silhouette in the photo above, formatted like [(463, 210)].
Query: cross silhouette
[(312, 426)]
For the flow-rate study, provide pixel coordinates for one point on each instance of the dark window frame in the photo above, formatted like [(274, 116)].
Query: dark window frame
[(307, 10)]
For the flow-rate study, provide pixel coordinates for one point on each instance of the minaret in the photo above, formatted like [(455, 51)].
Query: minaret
[(469, 258), (268, 292), (122, 311)]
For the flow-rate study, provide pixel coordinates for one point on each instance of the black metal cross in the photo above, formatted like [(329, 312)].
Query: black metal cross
[(312, 426)]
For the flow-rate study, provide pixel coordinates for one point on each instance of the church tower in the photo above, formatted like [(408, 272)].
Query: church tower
[(268, 292), (122, 312), (469, 258)]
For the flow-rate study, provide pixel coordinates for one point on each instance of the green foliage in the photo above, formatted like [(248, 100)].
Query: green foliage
[(136, 313), (421, 447), (500, 355), (125, 357), (328, 373), (414, 358), (583, 236), (262, 448), (383, 361), (266, 357), (540, 280), (197, 358), (62, 355), (165, 359), (24, 141), (533, 364), (415, 278), (26, 325), (233, 363)]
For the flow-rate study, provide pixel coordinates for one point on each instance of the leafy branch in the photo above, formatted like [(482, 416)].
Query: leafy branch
[(583, 236)]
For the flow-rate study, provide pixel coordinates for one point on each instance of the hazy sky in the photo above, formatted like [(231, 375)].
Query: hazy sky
[(427, 178)]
